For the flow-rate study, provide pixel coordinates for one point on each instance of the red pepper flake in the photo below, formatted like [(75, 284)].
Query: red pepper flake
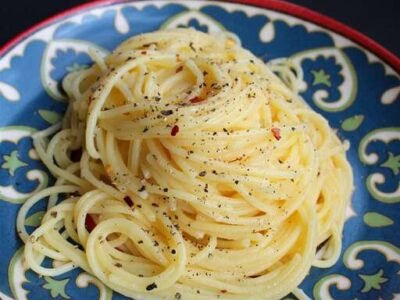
[(175, 130), (223, 291), (195, 100), (143, 52), (128, 201), (90, 224), (179, 69), (276, 132)]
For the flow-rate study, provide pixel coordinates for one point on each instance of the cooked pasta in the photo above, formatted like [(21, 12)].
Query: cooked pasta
[(188, 170)]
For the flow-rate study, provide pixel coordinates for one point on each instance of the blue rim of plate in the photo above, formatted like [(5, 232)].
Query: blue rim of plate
[(351, 80)]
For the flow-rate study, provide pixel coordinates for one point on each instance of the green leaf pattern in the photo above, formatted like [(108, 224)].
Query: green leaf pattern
[(393, 163), (56, 287), (50, 116), (374, 219), (321, 77), (373, 281), (12, 162), (352, 123)]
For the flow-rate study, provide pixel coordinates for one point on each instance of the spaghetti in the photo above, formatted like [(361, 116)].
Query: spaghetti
[(189, 170)]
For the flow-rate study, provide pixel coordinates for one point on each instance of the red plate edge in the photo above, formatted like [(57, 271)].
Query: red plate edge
[(277, 5)]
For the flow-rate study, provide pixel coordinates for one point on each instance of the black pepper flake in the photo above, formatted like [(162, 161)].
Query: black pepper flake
[(178, 296), (206, 188), (192, 47), (165, 190), (53, 214), (236, 181), (128, 201), (173, 251), (149, 44), (118, 265), (145, 129), (151, 286), (167, 112), (140, 242), (157, 98), (142, 188), (155, 204), (76, 155), (202, 173)]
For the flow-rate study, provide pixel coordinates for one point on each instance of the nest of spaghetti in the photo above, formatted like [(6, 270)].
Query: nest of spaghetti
[(189, 170)]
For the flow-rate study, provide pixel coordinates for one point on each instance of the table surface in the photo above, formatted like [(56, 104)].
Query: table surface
[(377, 19)]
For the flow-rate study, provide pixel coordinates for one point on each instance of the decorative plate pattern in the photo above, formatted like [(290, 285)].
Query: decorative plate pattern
[(357, 91)]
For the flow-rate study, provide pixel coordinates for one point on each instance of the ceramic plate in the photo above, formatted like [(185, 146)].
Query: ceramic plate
[(348, 78)]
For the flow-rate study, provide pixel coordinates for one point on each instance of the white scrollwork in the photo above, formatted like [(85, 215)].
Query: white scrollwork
[(391, 252), (8, 193), (184, 18), (347, 88), (321, 290), (78, 46), (385, 135), (84, 279), (16, 275)]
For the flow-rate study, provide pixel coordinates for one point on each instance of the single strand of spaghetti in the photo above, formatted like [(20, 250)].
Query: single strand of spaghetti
[(30, 202), (88, 175), (47, 159), (73, 168)]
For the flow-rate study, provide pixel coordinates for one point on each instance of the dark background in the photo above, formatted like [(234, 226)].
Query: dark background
[(379, 20)]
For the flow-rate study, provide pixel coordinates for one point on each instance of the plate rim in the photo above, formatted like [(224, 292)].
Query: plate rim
[(292, 9)]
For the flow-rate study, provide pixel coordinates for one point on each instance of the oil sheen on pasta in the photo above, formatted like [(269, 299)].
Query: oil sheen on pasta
[(189, 171)]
